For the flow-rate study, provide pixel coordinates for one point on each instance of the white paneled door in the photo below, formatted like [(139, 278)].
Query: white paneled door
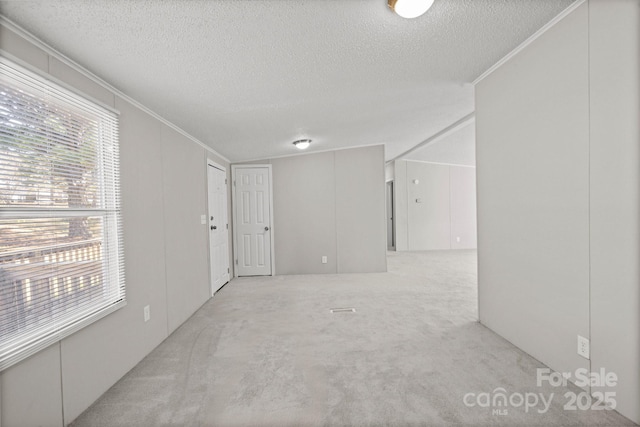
[(218, 227), (253, 220)]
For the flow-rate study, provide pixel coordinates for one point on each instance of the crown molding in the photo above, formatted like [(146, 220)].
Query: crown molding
[(530, 40), (309, 153), (94, 78)]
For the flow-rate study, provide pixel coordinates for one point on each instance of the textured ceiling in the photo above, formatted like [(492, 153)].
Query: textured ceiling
[(249, 77)]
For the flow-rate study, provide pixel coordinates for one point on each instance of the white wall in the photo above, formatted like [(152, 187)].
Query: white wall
[(330, 204), (184, 181), (438, 210), (533, 196), (462, 182), (401, 201), (614, 70), (361, 236), (558, 195), (163, 179), (428, 209), (305, 214)]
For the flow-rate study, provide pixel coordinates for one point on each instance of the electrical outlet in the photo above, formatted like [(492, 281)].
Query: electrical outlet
[(458, 239), (583, 347), (324, 259), (147, 313)]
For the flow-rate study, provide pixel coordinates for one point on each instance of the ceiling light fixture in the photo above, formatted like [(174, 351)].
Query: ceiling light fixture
[(302, 144), (410, 8)]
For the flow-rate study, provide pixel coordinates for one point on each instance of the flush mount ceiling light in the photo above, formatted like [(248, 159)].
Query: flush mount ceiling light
[(410, 8), (302, 144)]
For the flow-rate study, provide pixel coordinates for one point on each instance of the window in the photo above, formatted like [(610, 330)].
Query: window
[(61, 258)]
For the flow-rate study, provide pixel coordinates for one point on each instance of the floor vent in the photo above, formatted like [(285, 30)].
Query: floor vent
[(343, 310)]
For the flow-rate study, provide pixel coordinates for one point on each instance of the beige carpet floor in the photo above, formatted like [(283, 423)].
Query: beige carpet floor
[(268, 352)]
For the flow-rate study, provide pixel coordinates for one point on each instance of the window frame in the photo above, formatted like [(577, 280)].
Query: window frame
[(28, 344)]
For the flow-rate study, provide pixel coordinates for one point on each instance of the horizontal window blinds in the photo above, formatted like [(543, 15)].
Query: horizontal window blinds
[(61, 258)]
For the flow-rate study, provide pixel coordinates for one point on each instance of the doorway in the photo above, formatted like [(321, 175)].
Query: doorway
[(218, 226), (253, 220), (391, 241)]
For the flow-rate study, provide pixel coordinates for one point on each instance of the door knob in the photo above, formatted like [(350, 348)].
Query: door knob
[(213, 227), (266, 229)]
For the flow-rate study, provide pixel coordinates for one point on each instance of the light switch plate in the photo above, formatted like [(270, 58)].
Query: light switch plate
[(583, 347), (203, 219)]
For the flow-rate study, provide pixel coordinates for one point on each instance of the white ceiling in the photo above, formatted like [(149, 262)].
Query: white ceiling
[(249, 77)]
